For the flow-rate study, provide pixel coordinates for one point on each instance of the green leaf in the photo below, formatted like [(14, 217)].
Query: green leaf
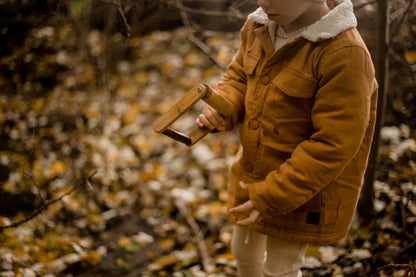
[(79, 6), (133, 247)]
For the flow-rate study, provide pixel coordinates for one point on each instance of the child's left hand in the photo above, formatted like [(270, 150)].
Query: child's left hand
[(246, 207)]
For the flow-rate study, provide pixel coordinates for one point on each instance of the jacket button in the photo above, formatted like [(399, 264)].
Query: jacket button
[(276, 130), (248, 167), (254, 124), (271, 211), (265, 80)]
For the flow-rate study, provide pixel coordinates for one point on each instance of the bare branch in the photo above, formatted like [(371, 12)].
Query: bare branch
[(405, 13), (199, 237), (30, 176), (47, 204), (358, 6), (124, 23), (401, 60), (409, 268), (230, 13), (190, 35)]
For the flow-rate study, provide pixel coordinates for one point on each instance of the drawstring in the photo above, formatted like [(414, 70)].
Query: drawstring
[(247, 238)]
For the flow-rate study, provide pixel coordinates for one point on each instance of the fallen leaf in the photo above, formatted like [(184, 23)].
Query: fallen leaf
[(133, 247), (410, 56), (166, 244), (91, 258), (123, 241)]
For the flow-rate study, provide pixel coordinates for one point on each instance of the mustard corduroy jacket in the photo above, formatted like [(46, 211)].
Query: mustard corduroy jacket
[(307, 114)]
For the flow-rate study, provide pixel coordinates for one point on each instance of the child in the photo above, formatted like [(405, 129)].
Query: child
[(304, 91)]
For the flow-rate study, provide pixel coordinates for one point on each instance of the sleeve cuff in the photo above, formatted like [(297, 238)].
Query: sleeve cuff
[(261, 199)]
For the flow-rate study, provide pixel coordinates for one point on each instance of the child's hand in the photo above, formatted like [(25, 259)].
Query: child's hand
[(211, 119), (246, 207)]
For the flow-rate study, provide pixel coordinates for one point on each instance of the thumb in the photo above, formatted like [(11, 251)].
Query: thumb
[(246, 207), (243, 185)]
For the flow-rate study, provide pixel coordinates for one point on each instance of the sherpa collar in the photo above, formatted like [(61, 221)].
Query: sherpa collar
[(339, 19)]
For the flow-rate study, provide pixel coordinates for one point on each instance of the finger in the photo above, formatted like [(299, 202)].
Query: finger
[(217, 116), (205, 122), (199, 123), (243, 185), (214, 117), (253, 217), (245, 207)]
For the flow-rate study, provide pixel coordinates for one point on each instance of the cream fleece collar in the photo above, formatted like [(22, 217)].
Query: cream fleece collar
[(339, 19)]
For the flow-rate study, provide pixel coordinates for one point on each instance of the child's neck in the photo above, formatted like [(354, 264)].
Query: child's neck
[(310, 16)]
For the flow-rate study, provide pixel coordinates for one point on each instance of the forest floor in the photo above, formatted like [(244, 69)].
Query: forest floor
[(113, 198)]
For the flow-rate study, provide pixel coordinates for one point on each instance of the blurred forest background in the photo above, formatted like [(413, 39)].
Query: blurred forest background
[(88, 189)]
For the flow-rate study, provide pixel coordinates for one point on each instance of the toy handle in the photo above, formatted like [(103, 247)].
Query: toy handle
[(220, 104), (201, 91)]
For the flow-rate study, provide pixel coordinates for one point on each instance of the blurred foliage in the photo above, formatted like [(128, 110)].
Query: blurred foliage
[(78, 7)]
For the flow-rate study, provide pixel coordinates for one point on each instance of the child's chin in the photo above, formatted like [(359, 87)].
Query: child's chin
[(273, 17)]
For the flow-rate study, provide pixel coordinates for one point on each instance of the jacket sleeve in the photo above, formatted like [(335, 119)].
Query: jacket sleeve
[(233, 84), (340, 117)]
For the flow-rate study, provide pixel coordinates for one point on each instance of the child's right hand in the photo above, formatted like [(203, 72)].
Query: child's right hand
[(211, 119)]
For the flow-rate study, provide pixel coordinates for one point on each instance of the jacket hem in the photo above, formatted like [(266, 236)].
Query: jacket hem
[(292, 235)]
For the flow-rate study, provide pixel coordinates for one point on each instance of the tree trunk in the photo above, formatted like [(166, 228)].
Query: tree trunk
[(366, 204)]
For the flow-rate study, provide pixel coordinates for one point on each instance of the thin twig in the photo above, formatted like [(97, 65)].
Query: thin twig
[(186, 9), (46, 205), (190, 35), (409, 268), (408, 9), (121, 15), (358, 6), (199, 237), (30, 176), (401, 60)]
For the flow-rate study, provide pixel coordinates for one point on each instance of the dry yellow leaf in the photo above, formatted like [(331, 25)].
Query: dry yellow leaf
[(410, 56), (38, 171), (215, 209), (224, 55), (167, 261), (214, 41), (209, 72), (226, 256), (192, 59), (92, 258), (131, 114), (167, 68), (313, 251), (127, 90), (57, 169), (166, 244), (223, 195), (152, 173), (123, 241), (142, 77), (38, 104), (120, 262), (20, 254)]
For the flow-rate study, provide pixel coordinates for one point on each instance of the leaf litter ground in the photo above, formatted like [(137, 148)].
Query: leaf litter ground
[(90, 107)]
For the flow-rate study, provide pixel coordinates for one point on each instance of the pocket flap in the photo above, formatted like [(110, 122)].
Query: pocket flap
[(295, 84), (250, 63)]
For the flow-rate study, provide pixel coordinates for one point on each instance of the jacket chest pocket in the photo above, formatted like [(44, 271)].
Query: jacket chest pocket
[(291, 95), (288, 110), (295, 84)]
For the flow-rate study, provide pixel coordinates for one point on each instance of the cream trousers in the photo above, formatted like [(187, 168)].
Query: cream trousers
[(261, 255)]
